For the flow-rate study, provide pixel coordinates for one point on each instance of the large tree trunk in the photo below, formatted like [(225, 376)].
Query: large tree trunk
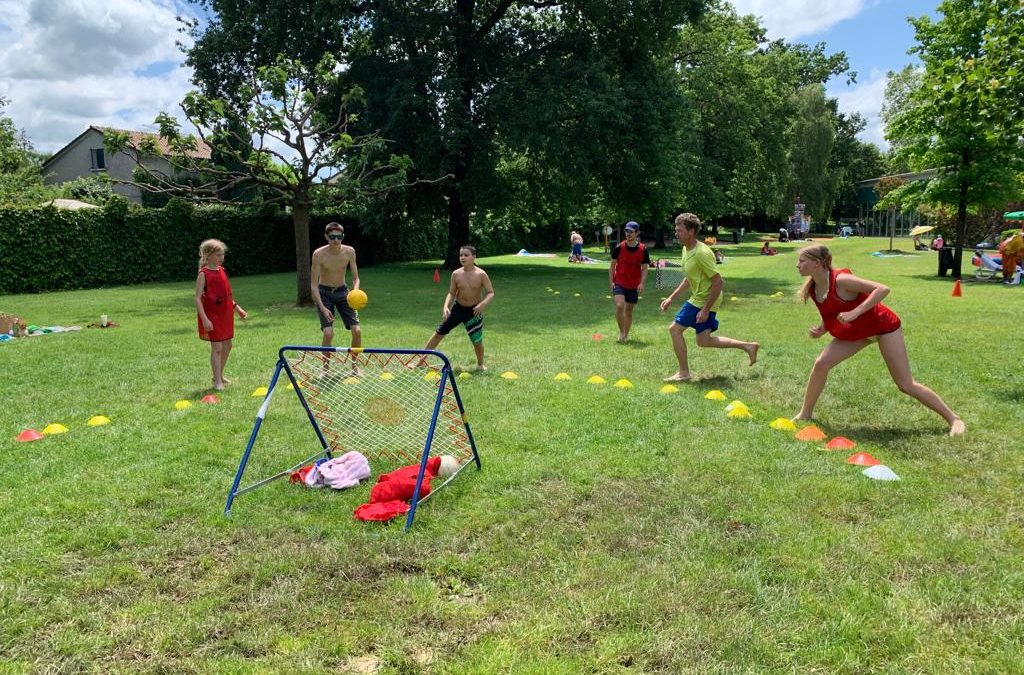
[(300, 221), (461, 153), (458, 226)]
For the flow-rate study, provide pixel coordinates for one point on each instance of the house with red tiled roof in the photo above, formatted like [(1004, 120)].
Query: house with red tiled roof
[(86, 156)]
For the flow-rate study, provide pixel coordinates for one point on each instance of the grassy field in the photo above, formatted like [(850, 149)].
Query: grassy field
[(610, 530)]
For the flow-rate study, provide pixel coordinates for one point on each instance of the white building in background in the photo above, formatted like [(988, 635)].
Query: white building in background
[(86, 156)]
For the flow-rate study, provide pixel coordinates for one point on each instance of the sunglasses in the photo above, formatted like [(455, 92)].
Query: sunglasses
[(336, 237)]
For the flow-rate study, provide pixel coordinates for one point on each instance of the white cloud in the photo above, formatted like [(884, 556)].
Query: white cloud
[(791, 19), (865, 98), (68, 64)]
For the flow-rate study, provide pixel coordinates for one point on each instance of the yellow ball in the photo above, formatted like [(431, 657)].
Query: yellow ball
[(357, 299)]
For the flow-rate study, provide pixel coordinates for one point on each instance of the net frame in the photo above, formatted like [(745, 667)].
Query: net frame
[(418, 403)]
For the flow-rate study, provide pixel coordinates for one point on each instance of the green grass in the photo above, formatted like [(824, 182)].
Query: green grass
[(610, 530)]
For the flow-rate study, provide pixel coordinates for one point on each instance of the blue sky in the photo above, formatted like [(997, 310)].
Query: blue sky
[(68, 64)]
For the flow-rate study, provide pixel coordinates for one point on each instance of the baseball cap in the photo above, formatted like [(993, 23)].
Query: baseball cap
[(632, 225)]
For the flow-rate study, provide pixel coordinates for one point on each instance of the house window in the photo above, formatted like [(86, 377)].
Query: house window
[(99, 162)]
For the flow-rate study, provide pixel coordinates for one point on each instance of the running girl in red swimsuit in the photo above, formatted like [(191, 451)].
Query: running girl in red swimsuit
[(216, 306), (852, 312)]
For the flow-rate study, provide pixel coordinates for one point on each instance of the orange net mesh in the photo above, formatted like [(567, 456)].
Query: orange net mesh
[(381, 404)]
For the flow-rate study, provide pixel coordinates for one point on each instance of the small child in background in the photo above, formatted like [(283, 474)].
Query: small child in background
[(216, 306), (471, 290)]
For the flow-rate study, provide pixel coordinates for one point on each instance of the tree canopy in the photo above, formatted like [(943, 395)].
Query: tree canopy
[(962, 113)]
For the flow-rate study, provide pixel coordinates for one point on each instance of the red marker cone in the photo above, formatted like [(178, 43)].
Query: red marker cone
[(596, 337), (29, 435), (437, 277), (862, 459), (957, 293), (209, 399)]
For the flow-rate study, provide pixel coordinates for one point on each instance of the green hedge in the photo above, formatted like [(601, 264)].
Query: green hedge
[(48, 249)]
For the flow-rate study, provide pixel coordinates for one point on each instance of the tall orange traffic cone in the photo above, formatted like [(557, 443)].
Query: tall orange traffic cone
[(437, 277), (957, 293)]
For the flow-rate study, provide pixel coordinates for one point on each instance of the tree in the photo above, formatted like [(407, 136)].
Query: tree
[(475, 89), (21, 177), (852, 160), (302, 154), (740, 112), (964, 118)]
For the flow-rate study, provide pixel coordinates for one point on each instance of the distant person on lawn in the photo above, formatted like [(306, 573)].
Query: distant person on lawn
[(700, 311), (852, 312)]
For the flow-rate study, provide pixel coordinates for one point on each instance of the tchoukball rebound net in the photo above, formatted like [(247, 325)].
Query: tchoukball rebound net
[(396, 407)]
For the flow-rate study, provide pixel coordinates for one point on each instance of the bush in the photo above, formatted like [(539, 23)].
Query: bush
[(48, 249)]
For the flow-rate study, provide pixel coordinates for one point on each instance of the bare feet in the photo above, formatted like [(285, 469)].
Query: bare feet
[(224, 381), (801, 417), (752, 352), (678, 377), (957, 428), (480, 368), (219, 386)]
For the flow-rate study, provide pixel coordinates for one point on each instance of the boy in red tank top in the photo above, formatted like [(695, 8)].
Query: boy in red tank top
[(852, 312)]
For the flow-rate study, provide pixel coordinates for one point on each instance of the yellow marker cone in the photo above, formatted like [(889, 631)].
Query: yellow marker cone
[(734, 299), (576, 295), (98, 420), (558, 292), (782, 424), (259, 391), (777, 294), (669, 389), (715, 395), (608, 297), (292, 386), (734, 405), (385, 376), (562, 377), (738, 413), (432, 376), (595, 379), (509, 375), (55, 428), (464, 376), (350, 380), (182, 404), (623, 384)]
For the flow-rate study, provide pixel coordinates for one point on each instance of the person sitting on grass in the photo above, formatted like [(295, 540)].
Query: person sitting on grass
[(471, 291), (766, 249), (699, 312), (852, 312)]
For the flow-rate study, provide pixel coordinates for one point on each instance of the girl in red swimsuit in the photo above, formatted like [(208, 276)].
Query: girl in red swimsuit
[(216, 307), (852, 312)]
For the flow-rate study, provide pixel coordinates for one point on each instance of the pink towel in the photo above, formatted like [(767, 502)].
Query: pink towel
[(345, 471)]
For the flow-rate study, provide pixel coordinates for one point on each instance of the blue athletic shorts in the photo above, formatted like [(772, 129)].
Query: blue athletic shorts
[(630, 294), (687, 317), (577, 249)]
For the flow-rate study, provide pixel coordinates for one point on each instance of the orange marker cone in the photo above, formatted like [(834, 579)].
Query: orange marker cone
[(841, 443), (209, 399), (810, 433), (957, 293), (29, 435), (437, 276)]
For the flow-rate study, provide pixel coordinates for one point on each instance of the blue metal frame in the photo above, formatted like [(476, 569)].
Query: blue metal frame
[(282, 364)]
